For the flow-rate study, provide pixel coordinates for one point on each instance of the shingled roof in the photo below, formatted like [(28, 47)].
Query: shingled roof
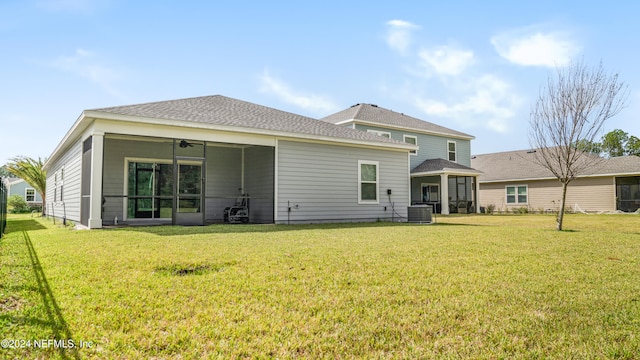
[(436, 165), (228, 112), (519, 165), (374, 114)]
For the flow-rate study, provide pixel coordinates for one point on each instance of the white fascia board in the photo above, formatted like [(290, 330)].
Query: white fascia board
[(448, 171), (240, 130), (410, 129)]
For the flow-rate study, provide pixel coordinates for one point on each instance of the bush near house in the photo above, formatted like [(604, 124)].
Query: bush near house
[(17, 205)]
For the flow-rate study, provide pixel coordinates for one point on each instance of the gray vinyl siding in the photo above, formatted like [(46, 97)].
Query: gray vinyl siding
[(224, 180), (430, 146), (69, 205), (259, 182), (320, 183), (115, 152)]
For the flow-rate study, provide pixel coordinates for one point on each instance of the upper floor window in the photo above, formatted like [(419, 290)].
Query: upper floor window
[(380, 133), (451, 150), (411, 140), (30, 195)]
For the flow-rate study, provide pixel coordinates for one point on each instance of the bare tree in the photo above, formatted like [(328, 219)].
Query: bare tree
[(571, 109)]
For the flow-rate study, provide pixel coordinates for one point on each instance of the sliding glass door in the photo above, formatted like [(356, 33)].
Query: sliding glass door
[(150, 190)]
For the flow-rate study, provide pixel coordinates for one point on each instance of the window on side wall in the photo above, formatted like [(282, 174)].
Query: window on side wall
[(411, 140), (517, 194), (451, 149), (368, 184), (30, 195), (380, 133)]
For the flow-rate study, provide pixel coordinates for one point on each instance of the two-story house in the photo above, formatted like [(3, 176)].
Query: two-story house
[(440, 169), (189, 161)]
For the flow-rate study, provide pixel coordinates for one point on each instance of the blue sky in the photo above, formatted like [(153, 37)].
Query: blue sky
[(474, 66)]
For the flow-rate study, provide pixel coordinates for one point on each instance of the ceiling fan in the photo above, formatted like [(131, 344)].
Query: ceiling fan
[(185, 143)]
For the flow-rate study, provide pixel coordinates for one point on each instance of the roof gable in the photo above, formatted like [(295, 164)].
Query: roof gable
[(373, 114)]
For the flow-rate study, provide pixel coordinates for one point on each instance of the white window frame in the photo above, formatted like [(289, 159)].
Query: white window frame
[(415, 138), (380, 133), (128, 160), (517, 201), (424, 185), (55, 187), (26, 194), (360, 182), (61, 184), (455, 151)]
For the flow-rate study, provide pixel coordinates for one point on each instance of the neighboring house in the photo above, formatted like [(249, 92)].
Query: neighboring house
[(440, 169), (16, 186), (185, 161), (512, 180)]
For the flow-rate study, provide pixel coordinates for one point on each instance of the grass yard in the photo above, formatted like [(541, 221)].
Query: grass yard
[(467, 287)]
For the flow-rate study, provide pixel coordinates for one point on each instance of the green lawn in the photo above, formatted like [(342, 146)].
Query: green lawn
[(467, 287)]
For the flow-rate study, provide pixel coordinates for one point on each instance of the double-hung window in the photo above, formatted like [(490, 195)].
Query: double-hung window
[(451, 150), (411, 140), (30, 195), (517, 194), (368, 184)]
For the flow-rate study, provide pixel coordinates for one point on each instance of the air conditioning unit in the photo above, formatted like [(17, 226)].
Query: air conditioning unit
[(420, 213)]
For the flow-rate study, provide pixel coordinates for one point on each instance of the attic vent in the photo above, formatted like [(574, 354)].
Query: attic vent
[(473, 157), (531, 151), (374, 105), (355, 105)]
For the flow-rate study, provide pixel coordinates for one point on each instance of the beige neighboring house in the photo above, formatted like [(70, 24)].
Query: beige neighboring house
[(512, 180)]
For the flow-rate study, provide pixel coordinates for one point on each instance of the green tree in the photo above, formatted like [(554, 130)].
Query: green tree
[(31, 171), (585, 145), (613, 143), (633, 146), (571, 110), (4, 172)]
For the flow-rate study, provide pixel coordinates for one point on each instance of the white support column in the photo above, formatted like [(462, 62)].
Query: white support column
[(95, 207), (477, 194), (444, 193)]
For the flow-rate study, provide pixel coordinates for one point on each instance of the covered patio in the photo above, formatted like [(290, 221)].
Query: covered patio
[(154, 180), (450, 188)]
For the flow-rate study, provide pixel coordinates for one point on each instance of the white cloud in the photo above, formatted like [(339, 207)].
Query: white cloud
[(84, 64), (446, 60), (399, 35), (486, 100), (531, 46), (314, 103)]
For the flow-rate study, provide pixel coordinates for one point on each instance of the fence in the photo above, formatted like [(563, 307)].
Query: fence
[(3, 207)]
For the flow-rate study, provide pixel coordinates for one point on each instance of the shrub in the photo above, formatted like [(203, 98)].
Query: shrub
[(17, 205), (491, 208)]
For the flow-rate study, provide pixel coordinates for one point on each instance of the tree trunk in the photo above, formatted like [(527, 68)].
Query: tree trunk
[(44, 206), (562, 204)]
